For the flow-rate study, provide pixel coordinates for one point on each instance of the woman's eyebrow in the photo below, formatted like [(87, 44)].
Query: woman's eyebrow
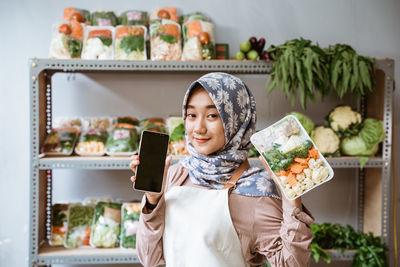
[(209, 106)]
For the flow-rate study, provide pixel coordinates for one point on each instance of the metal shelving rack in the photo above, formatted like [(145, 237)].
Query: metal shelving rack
[(41, 71)]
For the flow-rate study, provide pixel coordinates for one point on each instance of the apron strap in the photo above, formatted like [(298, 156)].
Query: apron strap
[(231, 184)]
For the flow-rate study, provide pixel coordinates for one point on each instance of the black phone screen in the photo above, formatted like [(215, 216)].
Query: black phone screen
[(152, 153)]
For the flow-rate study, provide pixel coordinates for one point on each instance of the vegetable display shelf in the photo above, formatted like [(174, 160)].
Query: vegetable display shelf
[(374, 204)]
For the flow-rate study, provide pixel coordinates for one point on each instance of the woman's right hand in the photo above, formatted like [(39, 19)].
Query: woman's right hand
[(151, 197)]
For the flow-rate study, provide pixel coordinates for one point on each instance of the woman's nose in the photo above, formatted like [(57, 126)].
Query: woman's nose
[(200, 127)]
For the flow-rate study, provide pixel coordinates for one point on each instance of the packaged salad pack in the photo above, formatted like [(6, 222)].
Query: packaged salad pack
[(66, 42), (80, 15), (133, 17), (130, 222), (98, 43), (130, 42), (92, 142), (164, 13), (292, 156), (104, 18), (123, 140), (176, 130), (60, 141), (165, 42), (80, 220), (153, 124), (106, 225), (59, 220)]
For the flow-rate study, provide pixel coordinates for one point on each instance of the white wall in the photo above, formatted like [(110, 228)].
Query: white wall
[(371, 27)]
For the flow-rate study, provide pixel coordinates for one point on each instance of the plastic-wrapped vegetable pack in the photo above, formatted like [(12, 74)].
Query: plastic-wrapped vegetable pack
[(104, 18), (130, 222), (133, 17), (92, 142), (123, 140), (66, 42), (199, 39), (80, 219), (176, 129), (130, 42), (153, 124), (164, 13), (98, 43), (106, 225), (165, 42), (80, 15), (293, 158), (60, 141), (59, 220)]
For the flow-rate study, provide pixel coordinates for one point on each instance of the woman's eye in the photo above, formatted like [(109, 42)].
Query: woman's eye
[(191, 115), (213, 116)]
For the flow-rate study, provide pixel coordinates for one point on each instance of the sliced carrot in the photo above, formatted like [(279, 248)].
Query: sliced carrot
[(169, 29), (303, 161), (128, 30), (173, 13), (281, 173), (297, 168), (98, 33), (86, 241), (68, 13), (193, 28), (292, 179), (313, 153), (58, 229), (76, 30)]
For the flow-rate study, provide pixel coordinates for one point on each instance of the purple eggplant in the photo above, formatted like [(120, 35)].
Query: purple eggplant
[(264, 55), (260, 46), (253, 42)]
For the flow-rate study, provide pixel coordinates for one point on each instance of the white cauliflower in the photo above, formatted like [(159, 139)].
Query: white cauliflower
[(308, 183), (283, 180), (290, 193), (320, 174), (192, 50), (95, 49), (343, 119), (298, 188), (300, 177), (326, 140), (308, 172)]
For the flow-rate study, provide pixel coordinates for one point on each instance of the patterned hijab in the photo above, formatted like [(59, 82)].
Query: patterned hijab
[(237, 108)]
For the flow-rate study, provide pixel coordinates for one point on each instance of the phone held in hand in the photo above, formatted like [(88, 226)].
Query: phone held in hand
[(153, 150)]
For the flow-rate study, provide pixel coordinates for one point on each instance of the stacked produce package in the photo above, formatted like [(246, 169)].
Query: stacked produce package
[(93, 137), (59, 220), (176, 130), (106, 225), (98, 43), (165, 41), (130, 42), (79, 226), (67, 40), (130, 222), (123, 139)]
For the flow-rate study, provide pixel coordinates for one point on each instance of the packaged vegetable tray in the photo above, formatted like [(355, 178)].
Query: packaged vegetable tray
[(80, 220), (130, 42), (153, 124), (193, 16), (92, 142), (165, 41), (66, 41), (59, 221), (98, 42), (199, 40), (130, 222), (106, 225), (292, 156), (164, 13), (133, 17), (80, 15), (123, 140), (104, 18), (176, 130), (60, 141)]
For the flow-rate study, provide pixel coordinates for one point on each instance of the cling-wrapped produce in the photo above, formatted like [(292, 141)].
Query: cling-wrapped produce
[(106, 225), (176, 129), (92, 143), (199, 40), (60, 141), (98, 43), (153, 124), (193, 16), (59, 220), (66, 42), (165, 41), (80, 15), (164, 13), (133, 17), (80, 220), (104, 18), (123, 140), (130, 223), (130, 42)]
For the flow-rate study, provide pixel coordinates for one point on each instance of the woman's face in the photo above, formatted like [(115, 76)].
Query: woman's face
[(203, 123)]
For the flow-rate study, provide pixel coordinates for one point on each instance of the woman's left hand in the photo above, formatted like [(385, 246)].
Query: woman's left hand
[(296, 202)]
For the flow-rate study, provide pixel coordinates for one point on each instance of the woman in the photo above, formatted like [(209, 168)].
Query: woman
[(216, 210)]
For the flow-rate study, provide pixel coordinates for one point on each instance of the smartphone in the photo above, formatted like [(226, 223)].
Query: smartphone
[(153, 150)]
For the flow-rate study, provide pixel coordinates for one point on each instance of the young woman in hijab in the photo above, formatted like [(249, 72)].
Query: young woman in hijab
[(216, 210)]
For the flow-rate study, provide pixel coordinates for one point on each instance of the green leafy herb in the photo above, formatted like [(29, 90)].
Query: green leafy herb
[(178, 133), (74, 48), (105, 40), (132, 43), (168, 38)]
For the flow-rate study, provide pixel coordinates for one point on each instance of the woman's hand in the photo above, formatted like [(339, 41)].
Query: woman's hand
[(296, 202), (152, 198)]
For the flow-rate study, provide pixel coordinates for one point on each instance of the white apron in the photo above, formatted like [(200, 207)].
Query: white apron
[(199, 229)]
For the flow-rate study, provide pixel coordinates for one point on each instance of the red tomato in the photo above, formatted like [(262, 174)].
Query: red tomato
[(163, 14), (204, 38), (64, 28), (78, 17)]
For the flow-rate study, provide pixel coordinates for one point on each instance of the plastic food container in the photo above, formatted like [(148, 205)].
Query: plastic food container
[(98, 43), (123, 140), (199, 40), (92, 143), (292, 156), (66, 41), (80, 15), (106, 225), (130, 222), (59, 215), (133, 17), (165, 42), (60, 142), (153, 124), (164, 13), (104, 18), (80, 220), (130, 42)]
